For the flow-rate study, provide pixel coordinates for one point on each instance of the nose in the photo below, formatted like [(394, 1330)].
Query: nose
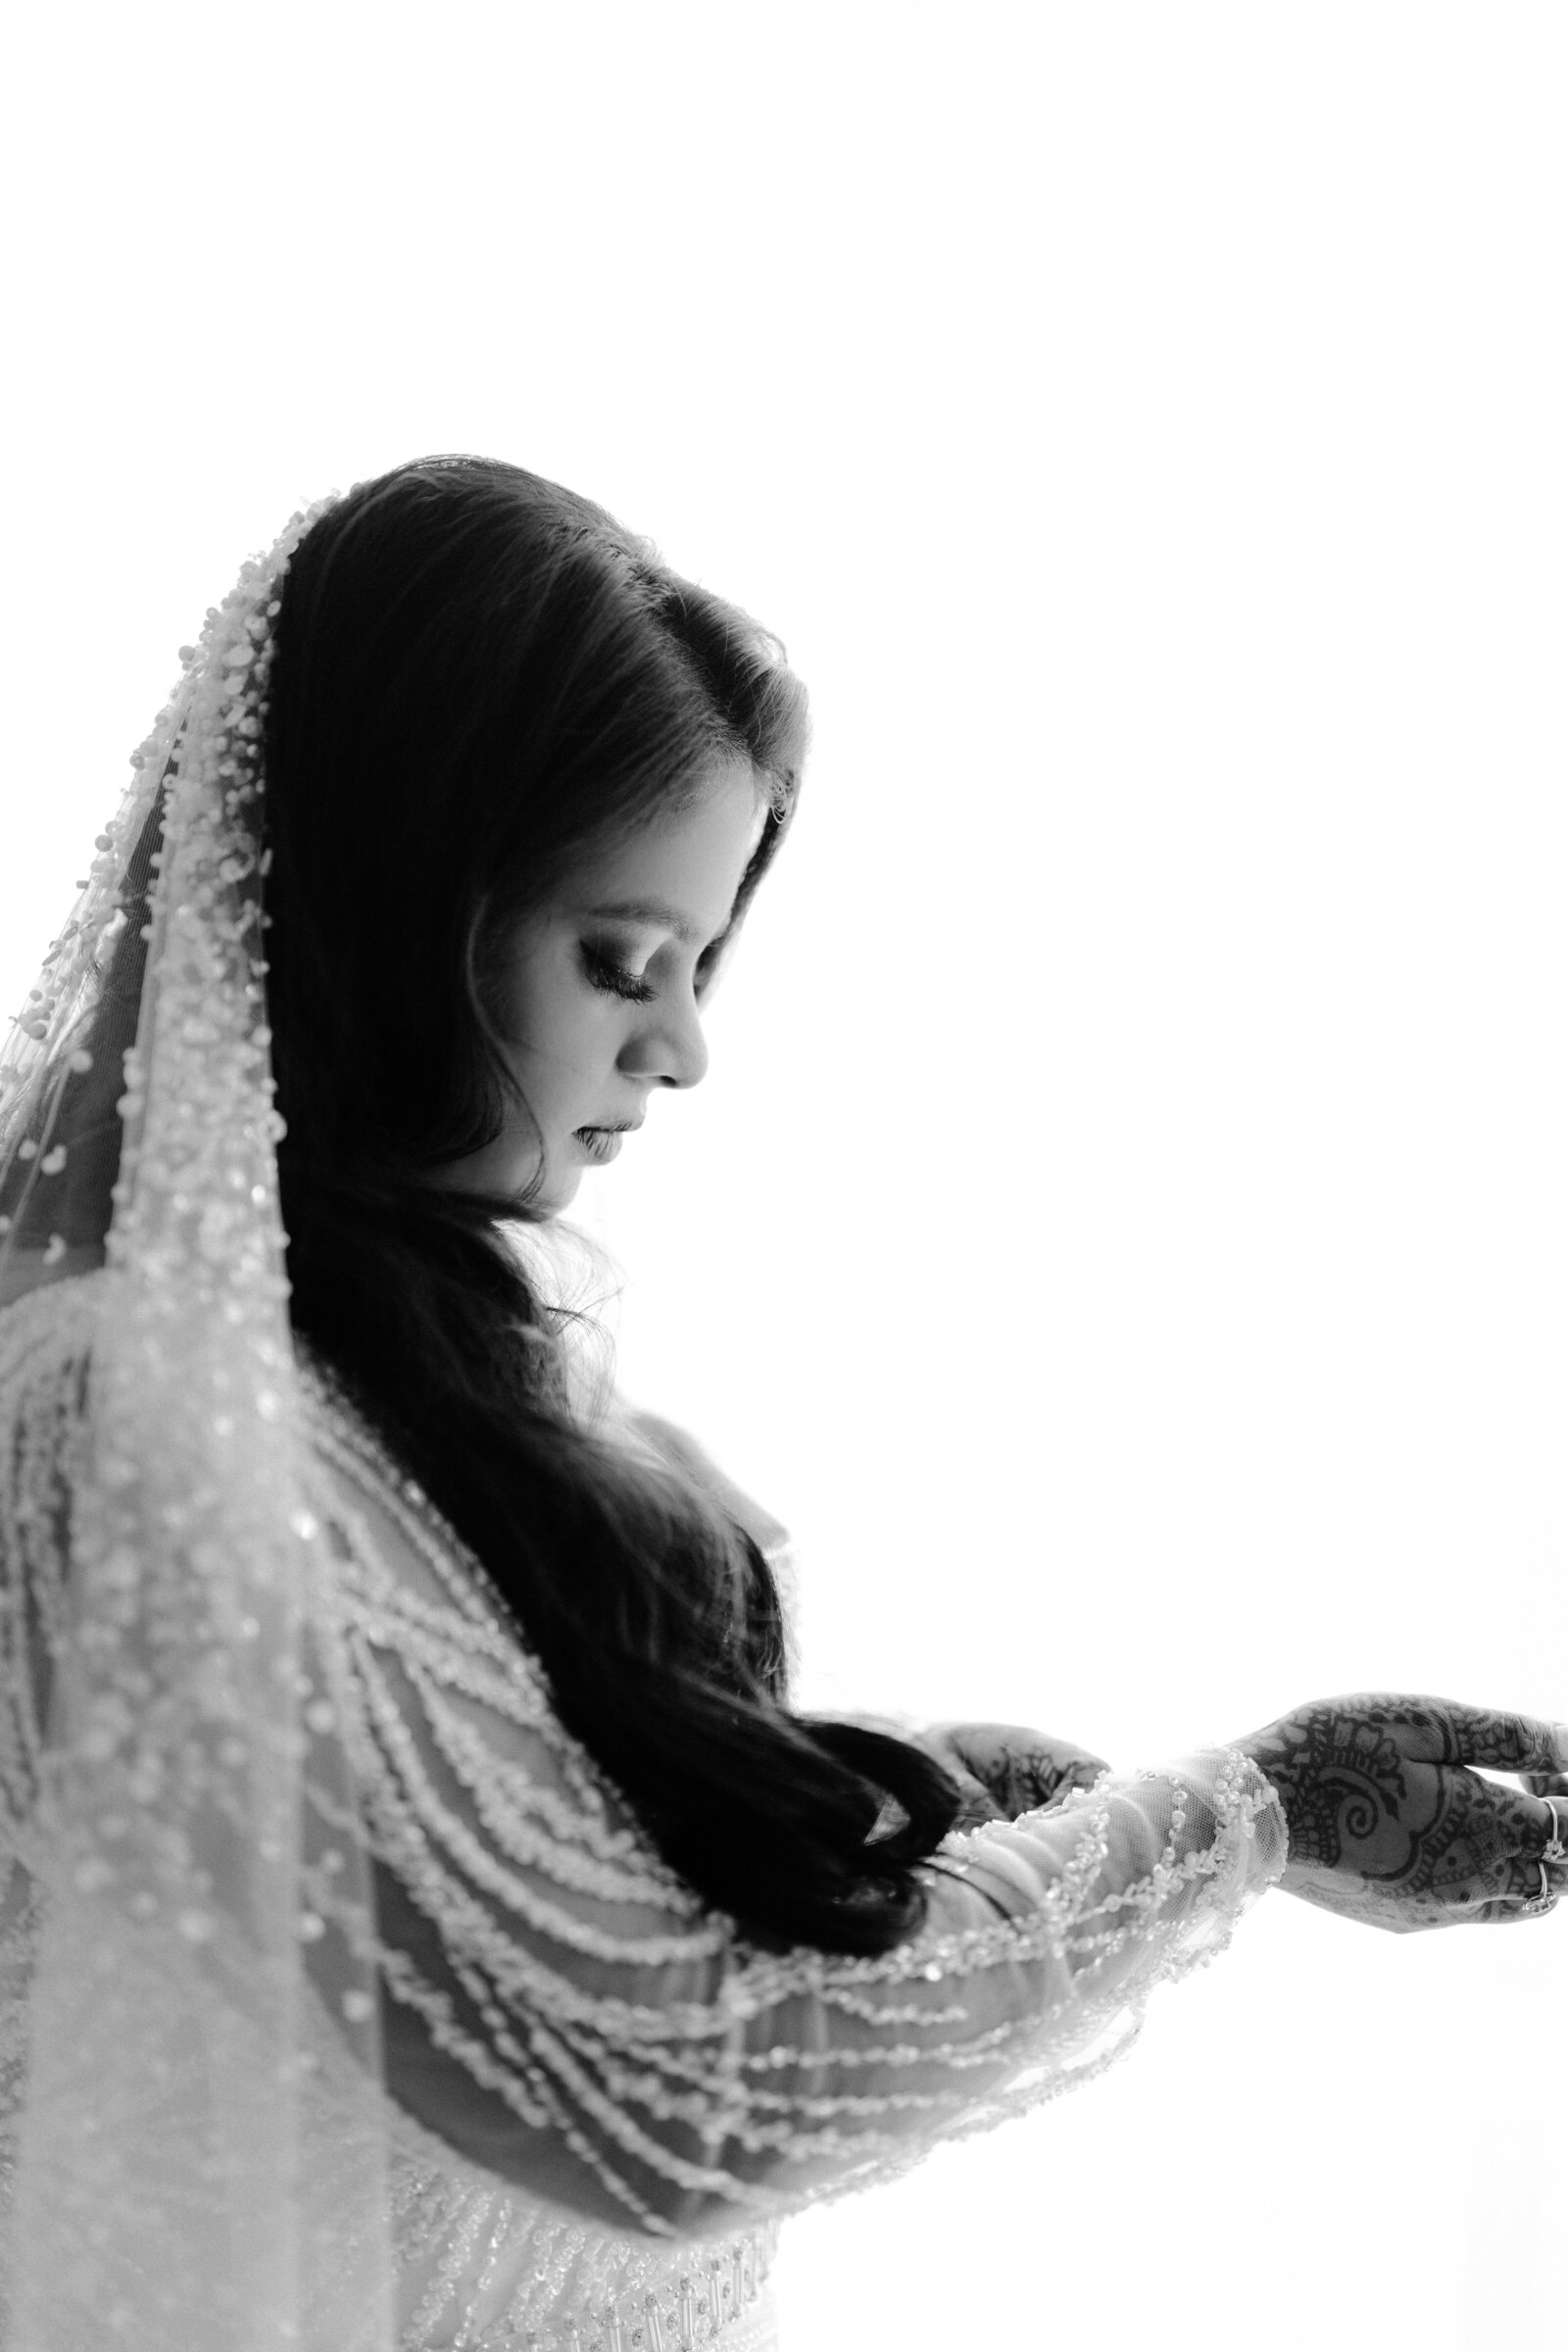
[(671, 1050)]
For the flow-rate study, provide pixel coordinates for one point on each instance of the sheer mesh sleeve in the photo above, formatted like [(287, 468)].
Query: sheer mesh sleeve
[(559, 2008)]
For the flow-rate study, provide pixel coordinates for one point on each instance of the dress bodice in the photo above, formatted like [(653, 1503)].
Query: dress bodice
[(481, 2266)]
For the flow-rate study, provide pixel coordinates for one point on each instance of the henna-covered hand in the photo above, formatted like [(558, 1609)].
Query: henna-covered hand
[(1387, 1824), (1006, 1769)]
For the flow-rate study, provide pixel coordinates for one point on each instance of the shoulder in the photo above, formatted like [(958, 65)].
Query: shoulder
[(394, 1551), (445, 1689)]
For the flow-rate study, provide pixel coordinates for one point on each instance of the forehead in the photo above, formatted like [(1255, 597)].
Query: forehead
[(684, 863)]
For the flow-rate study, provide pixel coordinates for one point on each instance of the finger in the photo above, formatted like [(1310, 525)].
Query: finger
[(1545, 1783), (1539, 1823), (1507, 1743), (1534, 1831), (1076, 1778), (1035, 1782), (977, 1805), (1533, 1889), (1516, 1900), (1446, 1731), (1504, 1913)]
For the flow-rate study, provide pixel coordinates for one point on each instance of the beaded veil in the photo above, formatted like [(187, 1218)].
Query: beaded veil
[(192, 1877)]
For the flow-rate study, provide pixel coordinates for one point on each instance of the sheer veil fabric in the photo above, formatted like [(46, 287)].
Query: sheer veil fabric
[(185, 1877)]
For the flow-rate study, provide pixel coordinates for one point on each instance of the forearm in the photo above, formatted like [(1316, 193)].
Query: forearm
[(1029, 1976)]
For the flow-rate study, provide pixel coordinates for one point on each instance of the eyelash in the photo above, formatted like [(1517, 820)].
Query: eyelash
[(616, 980)]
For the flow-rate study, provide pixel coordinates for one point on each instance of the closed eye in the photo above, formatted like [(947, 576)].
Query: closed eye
[(615, 979)]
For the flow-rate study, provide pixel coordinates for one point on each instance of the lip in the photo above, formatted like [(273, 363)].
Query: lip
[(602, 1144)]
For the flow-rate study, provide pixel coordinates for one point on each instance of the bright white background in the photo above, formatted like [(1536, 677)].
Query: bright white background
[(1125, 1227)]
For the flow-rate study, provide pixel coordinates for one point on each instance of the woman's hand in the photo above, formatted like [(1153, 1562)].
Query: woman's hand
[(1388, 1824), (1004, 1769)]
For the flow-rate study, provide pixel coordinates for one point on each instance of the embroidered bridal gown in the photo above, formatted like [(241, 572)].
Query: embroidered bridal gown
[(605, 2097)]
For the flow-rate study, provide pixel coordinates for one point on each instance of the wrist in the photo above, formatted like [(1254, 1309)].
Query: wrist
[(1274, 1781)]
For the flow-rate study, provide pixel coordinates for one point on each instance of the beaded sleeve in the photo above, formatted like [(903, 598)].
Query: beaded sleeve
[(565, 2011), (559, 2008)]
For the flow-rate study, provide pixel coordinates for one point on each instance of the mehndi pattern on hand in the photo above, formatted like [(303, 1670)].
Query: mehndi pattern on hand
[(1391, 1820)]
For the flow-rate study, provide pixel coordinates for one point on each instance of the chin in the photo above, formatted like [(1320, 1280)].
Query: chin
[(535, 1198), (557, 1191)]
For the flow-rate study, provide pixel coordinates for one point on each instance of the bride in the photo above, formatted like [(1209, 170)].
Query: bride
[(427, 1922)]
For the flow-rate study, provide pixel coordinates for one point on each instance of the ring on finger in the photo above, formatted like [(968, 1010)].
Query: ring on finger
[(1555, 1850), (1546, 1900)]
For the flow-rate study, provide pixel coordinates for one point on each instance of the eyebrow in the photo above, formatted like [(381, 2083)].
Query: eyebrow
[(653, 911)]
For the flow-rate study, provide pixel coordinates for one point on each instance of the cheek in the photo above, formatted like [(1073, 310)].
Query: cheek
[(559, 1026), (536, 1009)]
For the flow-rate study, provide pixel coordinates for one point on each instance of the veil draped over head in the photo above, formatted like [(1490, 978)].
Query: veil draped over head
[(189, 2049)]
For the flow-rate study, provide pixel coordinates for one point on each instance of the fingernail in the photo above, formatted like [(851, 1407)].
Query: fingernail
[(1559, 1733)]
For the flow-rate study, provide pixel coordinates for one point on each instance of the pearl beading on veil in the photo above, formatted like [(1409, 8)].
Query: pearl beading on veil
[(163, 2127)]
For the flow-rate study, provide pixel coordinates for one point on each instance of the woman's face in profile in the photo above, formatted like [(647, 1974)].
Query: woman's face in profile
[(597, 1002)]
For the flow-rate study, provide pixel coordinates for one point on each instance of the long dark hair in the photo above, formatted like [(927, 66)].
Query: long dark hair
[(478, 676)]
